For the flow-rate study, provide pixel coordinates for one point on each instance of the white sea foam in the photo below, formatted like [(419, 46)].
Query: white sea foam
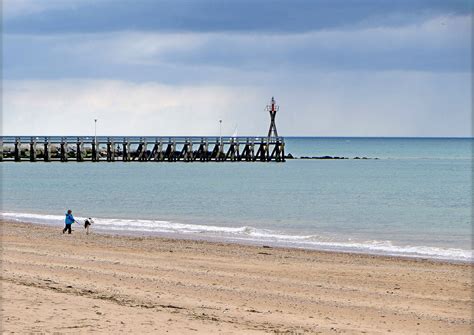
[(252, 235)]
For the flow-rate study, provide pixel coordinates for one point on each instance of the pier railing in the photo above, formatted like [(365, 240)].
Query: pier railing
[(141, 149)]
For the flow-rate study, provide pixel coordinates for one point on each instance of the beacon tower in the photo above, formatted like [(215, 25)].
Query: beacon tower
[(272, 109)]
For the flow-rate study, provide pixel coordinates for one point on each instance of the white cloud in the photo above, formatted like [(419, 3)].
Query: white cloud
[(332, 104), (138, 48), (15, 8), (69, 107)]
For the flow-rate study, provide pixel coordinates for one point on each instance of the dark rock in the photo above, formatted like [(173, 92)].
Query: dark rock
[(330, 157), (324, 157)]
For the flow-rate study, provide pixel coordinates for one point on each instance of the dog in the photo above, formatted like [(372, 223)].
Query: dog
[(87, 223)]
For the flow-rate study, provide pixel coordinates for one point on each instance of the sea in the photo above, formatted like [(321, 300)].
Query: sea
[(415, 200)]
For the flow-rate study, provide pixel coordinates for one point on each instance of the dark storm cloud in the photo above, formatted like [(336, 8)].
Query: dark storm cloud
[(221, 16)]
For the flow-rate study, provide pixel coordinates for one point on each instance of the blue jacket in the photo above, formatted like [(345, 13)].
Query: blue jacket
[(69, 219)]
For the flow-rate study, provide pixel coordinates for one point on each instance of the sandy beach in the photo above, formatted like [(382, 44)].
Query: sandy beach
[(55, 283)]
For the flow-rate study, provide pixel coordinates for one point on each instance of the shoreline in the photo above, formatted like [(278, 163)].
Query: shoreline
[(239, 243), (211, 236), (252, 243), (107, 283)]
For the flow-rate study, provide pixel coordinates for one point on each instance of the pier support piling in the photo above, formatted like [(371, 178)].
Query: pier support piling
[(110, 150), (203, 151), (47, 150), (63, 148), (262, 152), (170, 153), (79, 149), (187, 151), (126, 150), (278, 153), (248, 152), (95, 153), (33, 150), (17, 150), (233, 152)]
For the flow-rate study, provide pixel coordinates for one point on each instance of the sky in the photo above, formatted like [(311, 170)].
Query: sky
[(149, 67)]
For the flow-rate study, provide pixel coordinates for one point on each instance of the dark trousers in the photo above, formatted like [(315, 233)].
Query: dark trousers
[(68, 228)]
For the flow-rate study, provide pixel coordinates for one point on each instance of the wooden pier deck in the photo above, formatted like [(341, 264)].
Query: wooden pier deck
[(141, 149)]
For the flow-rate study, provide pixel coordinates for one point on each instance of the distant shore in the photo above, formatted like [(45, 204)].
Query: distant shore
[(103, 283)]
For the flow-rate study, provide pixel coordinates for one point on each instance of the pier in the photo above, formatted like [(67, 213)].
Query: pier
[(146, 149), (141, 149)]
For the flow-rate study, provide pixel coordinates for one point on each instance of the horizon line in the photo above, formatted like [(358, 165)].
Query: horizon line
[(259, 136)]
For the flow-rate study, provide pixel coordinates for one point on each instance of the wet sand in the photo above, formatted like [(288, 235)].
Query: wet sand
[(110, 284)]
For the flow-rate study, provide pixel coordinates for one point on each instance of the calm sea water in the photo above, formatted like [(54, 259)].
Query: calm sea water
[(415, 200)]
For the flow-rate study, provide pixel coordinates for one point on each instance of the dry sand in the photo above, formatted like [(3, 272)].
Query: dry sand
[(55, 283)]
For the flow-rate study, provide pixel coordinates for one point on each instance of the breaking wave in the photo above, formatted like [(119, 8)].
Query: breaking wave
[(253, 235)]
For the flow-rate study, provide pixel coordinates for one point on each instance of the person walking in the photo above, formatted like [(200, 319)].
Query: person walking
[(69, 220)]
